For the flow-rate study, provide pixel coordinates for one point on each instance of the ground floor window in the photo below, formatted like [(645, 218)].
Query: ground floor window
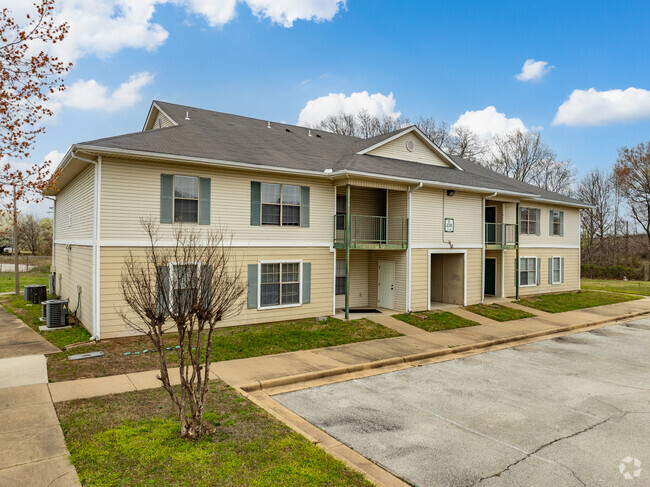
[(528, 271), (556, 270), (340, 276), (185, 278), (280, 284)]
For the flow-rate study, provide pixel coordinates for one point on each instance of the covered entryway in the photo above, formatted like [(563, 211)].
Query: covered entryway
[(448, 280), (490, 286), (386, 284)]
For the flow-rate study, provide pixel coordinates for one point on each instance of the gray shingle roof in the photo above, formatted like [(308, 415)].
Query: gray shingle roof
[(226, 137)]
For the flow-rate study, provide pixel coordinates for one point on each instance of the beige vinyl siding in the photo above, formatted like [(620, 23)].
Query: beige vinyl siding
[(74, 208), (397, 204), (359, 272), (427, 219), (162, 121), (422, 152), (571, 270), (420, 275), (131, 190), (365, 201), (112, 261), (73, 267), (571, 228), (397, 256)]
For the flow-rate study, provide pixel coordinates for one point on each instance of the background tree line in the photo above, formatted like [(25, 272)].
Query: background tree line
[(34, 235), (611, 243)]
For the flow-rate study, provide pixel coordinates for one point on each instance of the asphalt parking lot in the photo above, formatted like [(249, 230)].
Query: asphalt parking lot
[(569, 411)]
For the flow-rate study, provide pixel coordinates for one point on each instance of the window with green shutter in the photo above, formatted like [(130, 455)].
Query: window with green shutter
[(184, 199), (556, 223), (279, 204)]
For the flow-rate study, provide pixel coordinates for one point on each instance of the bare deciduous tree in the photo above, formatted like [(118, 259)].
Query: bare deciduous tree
[(595, 188), (188, 288), (30, 233), (556, 176), (632, 176), (361, 124), (465, 143)]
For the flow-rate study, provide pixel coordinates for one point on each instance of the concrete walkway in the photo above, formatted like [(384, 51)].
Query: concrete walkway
[(32, 446)]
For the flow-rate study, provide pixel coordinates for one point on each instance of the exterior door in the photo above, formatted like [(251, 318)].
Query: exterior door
[(490, 277), (386, 277), (490, 227)]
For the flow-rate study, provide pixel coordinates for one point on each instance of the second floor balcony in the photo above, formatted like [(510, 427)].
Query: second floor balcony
[(372, 232), (501, 236)]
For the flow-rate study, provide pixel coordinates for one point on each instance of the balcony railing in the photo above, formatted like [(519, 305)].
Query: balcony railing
[(372, 232), (500, 235)]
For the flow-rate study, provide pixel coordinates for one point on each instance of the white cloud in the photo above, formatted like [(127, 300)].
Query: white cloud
[(286, 12), (592, 107), (91, 95), (533, 70), (320, 108), (104, 27), (488, 122)]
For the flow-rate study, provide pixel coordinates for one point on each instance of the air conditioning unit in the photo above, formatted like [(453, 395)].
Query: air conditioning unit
[(38, 294), (43, 310), (27, 290), (56, 311)]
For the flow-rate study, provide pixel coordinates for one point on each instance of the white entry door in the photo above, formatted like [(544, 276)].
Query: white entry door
[(386, 294)]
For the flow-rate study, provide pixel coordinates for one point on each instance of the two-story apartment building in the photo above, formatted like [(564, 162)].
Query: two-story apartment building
[(319, 221)]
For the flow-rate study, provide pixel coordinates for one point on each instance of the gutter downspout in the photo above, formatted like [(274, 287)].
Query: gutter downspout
[(408, 247), (483, 246), (517, 253), (97, 247)]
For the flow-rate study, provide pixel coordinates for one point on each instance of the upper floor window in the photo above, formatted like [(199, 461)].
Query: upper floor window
[(556, 222), (528, 219), (186, 199), (280, 204), (341, 203)]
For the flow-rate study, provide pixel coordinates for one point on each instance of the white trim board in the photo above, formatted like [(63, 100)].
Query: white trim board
[(170, 243), (547, 246)]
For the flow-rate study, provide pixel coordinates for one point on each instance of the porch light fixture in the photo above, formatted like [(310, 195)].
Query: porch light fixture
[(451, 192)]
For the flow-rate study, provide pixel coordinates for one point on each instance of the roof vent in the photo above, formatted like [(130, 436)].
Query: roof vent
[(410, 145), (318, 135), (309, 133), (268, 125), (187, 115), (287, 130)]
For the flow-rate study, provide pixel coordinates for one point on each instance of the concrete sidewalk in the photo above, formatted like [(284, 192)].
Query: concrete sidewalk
[(287, 369), (33, 450)]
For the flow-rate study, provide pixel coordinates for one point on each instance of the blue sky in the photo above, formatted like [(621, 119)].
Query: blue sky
[(268, 58)]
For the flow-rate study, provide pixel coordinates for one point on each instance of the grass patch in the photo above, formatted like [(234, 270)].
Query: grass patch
[(30, 314), (628, 287), (435, 320), (227, 344), (7, 280), (558, 303), (132, 439), (498, 312)]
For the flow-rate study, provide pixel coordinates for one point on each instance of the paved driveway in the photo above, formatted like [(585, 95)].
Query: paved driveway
[(567, 411)]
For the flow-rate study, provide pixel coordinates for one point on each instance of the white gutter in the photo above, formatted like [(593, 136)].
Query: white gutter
[(483, 247), (408, 248)]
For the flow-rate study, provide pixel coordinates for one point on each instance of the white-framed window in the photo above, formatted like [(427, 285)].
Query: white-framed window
[(556, 223), (527, 271), (555, 270), (528, 224), (280, 204), (184, 282), (186, 199), (340, 276), (280, 284)]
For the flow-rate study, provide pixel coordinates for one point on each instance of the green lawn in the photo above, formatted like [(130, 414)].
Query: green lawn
[(7, 280), (227, 344), (498, 312), (31, 313), (435, 320), (558, 303), (132, 439), (629, 287)]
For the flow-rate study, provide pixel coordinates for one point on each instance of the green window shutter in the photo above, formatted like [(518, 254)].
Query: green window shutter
[(252, 285), (550, 270), (204, 201), (304, 206), (561, 224), (550, 222), (162, 289), (306, 282), (256, 198), (539, 221), (561, 269), (166, 198), (539, 269)]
